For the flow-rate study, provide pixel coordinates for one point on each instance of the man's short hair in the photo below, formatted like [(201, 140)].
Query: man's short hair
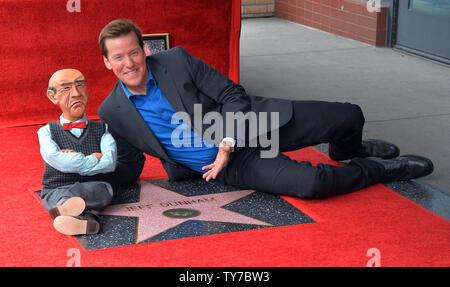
[(117, 28)]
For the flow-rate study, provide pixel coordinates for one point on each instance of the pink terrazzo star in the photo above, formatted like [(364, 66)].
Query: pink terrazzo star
[(158, 209)]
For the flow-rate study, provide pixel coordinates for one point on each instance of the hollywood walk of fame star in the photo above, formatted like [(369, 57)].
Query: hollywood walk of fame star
[(160, 209)]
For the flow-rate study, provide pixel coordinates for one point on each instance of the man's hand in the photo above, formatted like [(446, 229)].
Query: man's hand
[(97, 155), (220, 162), (68, 150)]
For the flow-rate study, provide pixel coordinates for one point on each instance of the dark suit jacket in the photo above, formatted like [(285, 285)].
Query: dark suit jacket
[(184, 80)]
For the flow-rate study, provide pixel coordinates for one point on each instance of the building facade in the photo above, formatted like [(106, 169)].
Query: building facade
[(416, 26)]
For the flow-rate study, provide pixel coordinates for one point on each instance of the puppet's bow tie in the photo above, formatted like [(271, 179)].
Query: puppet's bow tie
[(80, 125)]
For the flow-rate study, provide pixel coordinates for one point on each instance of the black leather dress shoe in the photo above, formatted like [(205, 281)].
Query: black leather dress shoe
[(378, 148), (370, 148), (405, 167)]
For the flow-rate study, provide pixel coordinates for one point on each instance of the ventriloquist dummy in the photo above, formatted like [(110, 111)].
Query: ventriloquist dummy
[(77, 153)]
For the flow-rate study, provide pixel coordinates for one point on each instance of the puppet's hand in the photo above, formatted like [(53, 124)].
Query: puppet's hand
[(68, 150), (97, 155)]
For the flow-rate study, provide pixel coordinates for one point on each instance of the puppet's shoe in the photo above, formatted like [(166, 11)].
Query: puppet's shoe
[(70, 225), (73, 206)]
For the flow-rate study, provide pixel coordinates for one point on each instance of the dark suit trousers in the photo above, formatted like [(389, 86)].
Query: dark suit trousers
[(313, 122)]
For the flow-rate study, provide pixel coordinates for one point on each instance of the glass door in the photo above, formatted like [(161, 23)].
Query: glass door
[(423, 27)]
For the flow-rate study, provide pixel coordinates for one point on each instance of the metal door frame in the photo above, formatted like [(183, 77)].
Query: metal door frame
[(395, 45)]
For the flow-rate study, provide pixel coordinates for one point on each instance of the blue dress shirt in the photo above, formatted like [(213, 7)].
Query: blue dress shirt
[(190, 149), (78, 162)]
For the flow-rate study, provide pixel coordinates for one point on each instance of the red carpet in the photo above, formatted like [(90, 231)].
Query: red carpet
[(346, 227)]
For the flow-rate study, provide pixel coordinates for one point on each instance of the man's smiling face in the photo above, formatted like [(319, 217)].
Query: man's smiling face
[(126, 59), (67, 89)]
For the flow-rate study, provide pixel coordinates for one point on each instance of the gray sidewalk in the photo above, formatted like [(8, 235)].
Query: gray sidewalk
[(405, 99)]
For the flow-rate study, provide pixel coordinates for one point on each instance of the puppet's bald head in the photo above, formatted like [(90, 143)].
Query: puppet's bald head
[(67, 89)]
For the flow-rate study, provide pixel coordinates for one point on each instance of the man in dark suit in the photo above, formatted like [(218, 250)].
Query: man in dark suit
[(143, 111)]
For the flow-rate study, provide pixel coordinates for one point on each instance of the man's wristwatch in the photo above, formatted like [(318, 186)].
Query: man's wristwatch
[(229, 142)]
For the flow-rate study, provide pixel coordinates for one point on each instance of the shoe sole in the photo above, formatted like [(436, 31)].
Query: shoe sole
[(74, 206), (69, 225)]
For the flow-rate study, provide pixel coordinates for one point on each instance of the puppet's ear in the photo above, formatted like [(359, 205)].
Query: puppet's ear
[(51, 95)]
